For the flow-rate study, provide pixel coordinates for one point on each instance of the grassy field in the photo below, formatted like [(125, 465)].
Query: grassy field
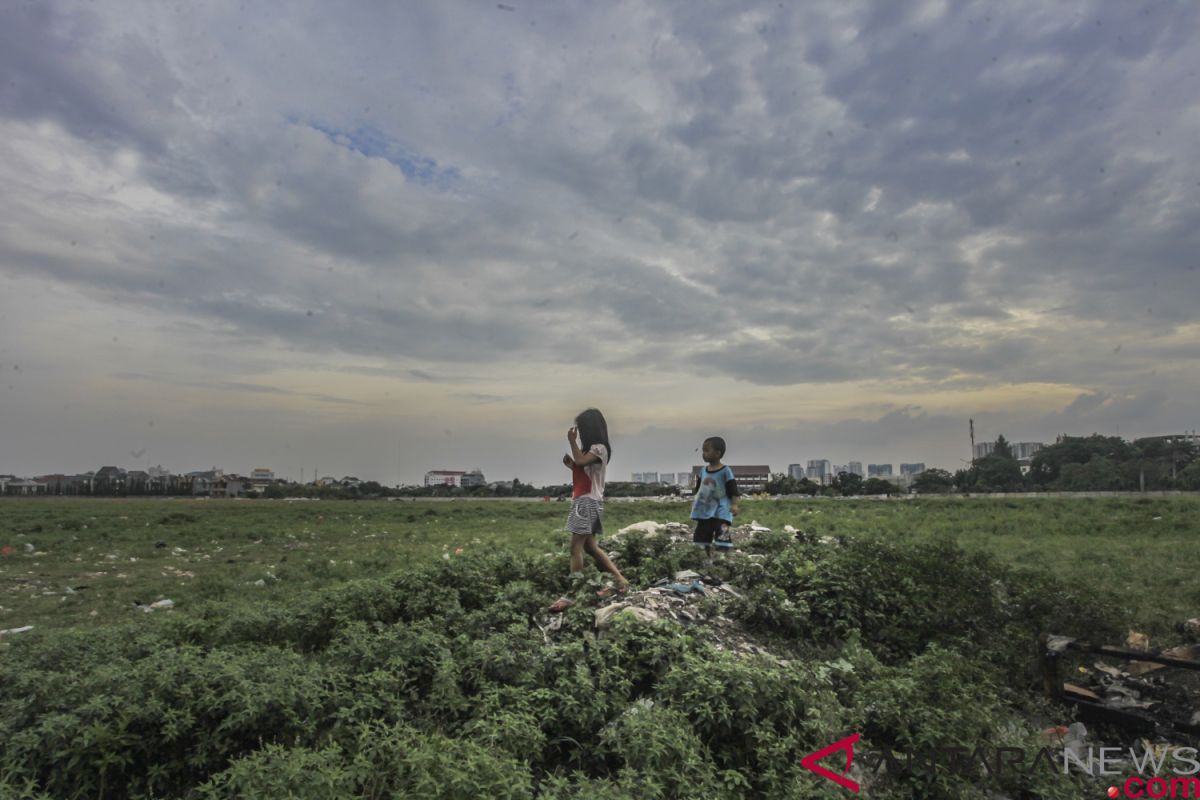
[(91, 562), (375, 649)]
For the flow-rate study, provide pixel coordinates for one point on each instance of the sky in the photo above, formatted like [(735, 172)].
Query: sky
[(375, 239)]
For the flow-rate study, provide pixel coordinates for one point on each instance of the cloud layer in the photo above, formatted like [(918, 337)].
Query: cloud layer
[(828, 220)]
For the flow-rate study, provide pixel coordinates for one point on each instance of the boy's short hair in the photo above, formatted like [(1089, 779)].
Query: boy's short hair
[(717, 442)]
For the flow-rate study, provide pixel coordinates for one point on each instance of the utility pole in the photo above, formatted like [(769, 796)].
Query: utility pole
[(972, 439)]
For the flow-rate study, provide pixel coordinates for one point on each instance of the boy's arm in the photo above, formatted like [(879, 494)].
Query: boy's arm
[(731, 490)]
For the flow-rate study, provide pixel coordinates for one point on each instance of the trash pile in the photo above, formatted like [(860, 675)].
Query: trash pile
[(680, 598), (694, 600), (680, 532), (1136, 692)]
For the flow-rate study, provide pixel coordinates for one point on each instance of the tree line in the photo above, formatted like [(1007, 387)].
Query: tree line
[(1087, 464), (1072, 464)]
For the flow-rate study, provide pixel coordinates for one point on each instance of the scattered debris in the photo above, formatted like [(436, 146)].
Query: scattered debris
[(646, 526), (560, 605), (697, 605), (1135, 695), (1190, 652), (604, 616), (1137, 641), (157, 605), (16, 630)]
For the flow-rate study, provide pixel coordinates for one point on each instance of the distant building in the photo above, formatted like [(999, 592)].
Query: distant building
[(206, 481), (819, 471), (653, 477), (137, 481), (78, 484), (855, 468), (473, 478), (912, 469), (444, 477), (879, 470), (750, 478), (796, 471), (20, 486), (230, 486), (1021, 451), (109, 480), (261, 478)]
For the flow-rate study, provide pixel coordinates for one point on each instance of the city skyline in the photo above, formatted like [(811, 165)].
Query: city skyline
[(379, 239), (827, 467)]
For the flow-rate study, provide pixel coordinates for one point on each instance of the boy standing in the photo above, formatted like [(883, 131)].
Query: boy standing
[(716, 501)]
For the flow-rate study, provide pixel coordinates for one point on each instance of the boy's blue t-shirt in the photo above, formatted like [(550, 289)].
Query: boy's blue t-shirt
[(712, 496)]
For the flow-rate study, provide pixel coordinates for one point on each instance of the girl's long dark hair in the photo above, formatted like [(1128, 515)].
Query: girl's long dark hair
[(593, 430)]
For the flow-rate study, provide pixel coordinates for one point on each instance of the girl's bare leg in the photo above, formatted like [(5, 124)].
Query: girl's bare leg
[(602, 560), (578, 543)]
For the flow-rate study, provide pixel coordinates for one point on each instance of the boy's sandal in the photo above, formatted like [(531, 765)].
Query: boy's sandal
[(560, 605), (609, 591)]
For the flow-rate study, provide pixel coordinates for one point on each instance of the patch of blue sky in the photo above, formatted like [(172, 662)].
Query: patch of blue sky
[(374, 143)]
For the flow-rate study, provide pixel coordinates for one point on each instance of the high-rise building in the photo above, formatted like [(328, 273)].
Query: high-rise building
[(1025, 450), (796, 471), (1021, 451), (912, 469), (879, 470), (855, 468), (819, 471)]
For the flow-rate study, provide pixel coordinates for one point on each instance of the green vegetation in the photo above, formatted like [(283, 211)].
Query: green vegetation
[(376, 660), (1088, 464)]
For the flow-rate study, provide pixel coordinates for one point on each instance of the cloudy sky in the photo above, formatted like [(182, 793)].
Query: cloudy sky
[(381, 238)]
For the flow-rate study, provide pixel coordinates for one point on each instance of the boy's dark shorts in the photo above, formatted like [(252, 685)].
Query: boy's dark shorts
[(714, 531)]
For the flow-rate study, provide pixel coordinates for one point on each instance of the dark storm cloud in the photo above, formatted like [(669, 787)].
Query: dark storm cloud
[(63, 65)]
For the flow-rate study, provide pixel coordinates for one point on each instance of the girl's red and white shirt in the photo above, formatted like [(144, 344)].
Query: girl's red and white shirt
[(588, 481)]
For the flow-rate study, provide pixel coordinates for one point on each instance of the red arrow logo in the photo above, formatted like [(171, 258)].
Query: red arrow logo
[(847, 744)]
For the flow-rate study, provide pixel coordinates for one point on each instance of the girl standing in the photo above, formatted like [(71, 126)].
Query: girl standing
[(588, 459)]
